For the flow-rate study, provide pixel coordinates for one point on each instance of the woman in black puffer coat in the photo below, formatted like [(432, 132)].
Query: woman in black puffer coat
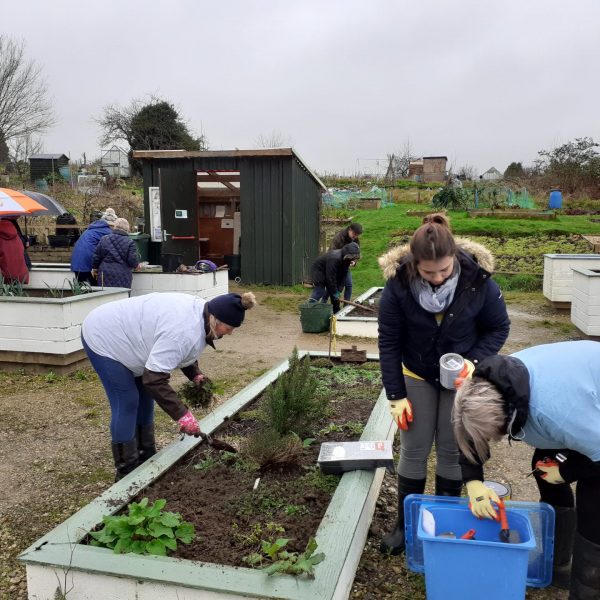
[(115, 256)]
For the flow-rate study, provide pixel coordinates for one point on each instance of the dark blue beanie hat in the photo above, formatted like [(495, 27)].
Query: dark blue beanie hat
[(228, 308)]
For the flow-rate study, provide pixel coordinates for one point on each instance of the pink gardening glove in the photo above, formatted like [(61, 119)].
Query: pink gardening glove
[(199, 379), (189, 425)]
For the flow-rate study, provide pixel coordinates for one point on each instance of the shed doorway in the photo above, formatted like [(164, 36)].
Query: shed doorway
[(219, 218)]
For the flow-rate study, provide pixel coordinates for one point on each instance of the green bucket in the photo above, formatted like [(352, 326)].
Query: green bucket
[(315, 316)]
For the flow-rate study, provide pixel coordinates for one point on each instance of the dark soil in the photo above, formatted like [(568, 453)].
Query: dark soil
[(371, 302), (215, 490)]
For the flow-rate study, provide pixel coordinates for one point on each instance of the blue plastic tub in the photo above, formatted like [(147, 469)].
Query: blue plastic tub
[(473, 569), (540, 515)]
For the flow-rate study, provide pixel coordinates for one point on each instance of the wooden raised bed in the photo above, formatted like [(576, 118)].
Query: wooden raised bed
[(38, 333), (91, 573), (350, 322), (521, 213), (424, 213), (585, 303), (558, 275)]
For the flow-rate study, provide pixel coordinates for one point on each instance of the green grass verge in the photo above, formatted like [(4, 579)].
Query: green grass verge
[(381, 225)]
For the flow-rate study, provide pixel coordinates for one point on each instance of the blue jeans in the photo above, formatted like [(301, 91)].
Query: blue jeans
[(319, 293), (130, 404), (348, 286)]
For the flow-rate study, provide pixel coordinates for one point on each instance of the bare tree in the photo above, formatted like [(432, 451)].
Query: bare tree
[(25, 108), (398, 162), (21, 149), (24, 146), (467, 172), (275, 139)]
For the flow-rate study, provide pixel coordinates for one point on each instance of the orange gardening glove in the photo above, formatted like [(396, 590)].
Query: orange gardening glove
[(401, 411), (465, 374)]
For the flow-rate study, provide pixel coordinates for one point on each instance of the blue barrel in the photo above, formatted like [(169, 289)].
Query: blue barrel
[(41, 185), (65, 172), (555, 200)]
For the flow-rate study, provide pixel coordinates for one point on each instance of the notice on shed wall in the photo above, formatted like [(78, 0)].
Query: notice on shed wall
[(155, 221)]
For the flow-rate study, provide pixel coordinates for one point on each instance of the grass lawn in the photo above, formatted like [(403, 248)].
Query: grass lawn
[(381, 226)]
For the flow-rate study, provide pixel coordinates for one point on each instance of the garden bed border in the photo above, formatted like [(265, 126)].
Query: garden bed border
[(58, 556), (365, 327)]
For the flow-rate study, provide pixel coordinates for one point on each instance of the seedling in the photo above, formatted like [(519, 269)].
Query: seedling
[(144, 530), (208, 463), (283, 561), (256, 532)]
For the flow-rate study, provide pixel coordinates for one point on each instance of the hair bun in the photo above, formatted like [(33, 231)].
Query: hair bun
[(248, 300), (437, 219)]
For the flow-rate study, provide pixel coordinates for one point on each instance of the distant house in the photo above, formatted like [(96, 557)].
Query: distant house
[(428, 168), (115, 161), (42, 165), (491, 174)]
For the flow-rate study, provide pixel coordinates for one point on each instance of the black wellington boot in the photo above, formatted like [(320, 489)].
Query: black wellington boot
[(393, 542), (447, 487), (585, 574), (564, 534), (126, 457), (146, 442)]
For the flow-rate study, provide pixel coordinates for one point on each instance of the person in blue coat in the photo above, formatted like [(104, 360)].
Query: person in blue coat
[(439, 298), (114, 258), (83, 251), (547, 396)]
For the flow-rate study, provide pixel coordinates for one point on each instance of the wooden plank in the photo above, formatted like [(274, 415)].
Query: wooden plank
[(218, 193), (211, 153), (204, 176)]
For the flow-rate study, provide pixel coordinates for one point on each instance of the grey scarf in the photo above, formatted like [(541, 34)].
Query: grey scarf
[(438, 299)]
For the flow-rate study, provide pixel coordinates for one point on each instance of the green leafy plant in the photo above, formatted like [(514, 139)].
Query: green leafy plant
[(283, 561), (290, 404), (208, 463), (146, 529), (292, 510), (331, 428), (51, 377), (199, 395), (11, 287), (79, 287), (450, 198), (55, 292), (316, 479)]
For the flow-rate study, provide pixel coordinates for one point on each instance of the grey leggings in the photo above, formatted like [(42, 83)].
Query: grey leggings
[(432, 410)]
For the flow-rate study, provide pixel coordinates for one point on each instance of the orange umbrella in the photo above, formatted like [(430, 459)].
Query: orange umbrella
[(14, 203)]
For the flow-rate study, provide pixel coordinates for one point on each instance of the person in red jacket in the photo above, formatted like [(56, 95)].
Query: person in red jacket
[(12, 259)]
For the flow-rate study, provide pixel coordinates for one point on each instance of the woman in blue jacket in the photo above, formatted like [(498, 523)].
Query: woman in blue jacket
[(549, 397), (439, 297), (114, 257), (83, 251)]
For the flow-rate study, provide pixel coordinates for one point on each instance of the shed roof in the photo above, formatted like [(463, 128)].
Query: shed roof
[(258, 153), (48, 156), (493, 170), (430, 157)]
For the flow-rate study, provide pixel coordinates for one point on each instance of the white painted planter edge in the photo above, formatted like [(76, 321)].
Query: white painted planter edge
[(343, 315), (98, 291), (341, 534)]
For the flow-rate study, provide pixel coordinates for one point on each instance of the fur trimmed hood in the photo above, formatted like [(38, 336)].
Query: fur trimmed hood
[(391, 260)]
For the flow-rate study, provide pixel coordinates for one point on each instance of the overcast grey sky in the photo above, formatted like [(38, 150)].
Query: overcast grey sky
[(482, 82)]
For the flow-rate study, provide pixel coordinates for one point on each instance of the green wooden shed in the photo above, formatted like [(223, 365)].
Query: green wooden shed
[(255, 210)]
